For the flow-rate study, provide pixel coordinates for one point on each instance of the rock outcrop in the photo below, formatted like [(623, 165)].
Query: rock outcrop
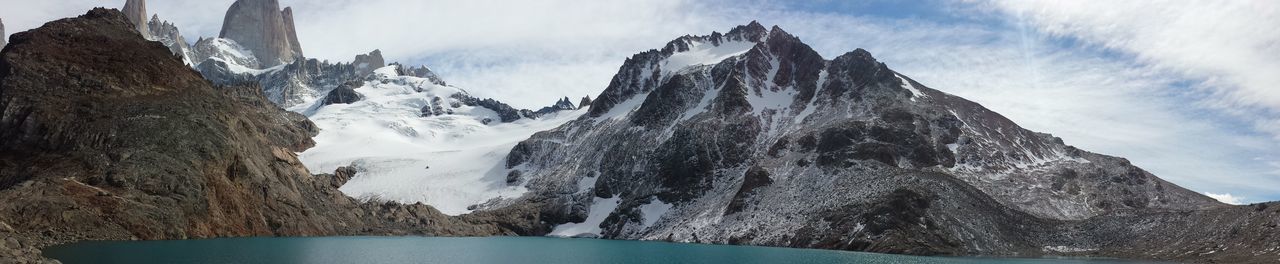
[(420, 72), (561, 105), (264, 29), (136, 10), (106, 135), (585, 102), (366, 63), (344, 94)]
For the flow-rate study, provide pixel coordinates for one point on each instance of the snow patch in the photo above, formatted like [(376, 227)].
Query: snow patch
[(600, 209), (915, 92), (653, 211), (702, 53), (809, 109), (625, 108)]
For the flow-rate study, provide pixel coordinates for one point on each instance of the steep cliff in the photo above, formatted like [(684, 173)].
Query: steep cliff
[(264, 29), (136, 10)]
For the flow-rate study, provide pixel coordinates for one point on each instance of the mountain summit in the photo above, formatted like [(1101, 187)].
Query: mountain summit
[(264, 29)]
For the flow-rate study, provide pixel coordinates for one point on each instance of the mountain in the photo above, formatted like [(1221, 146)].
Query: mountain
[(136, 10), (4, 38), (752, 137), (264, 29), (105, 135)]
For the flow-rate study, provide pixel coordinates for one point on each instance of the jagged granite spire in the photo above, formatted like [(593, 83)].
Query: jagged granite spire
[(167, 33), (264, 29), (3, 37), (136, 11), (291, 30)]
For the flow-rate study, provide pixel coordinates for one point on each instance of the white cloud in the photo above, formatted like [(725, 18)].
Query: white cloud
[(1226, 198), (1232, 47)]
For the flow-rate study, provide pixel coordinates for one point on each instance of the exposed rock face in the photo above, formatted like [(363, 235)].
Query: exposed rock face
[(366, 63), (105, 135), (774, 145), (261, 27), (586, 102), (168, 34), (420, 72), (344, 94), (136, 10), (4, 38)]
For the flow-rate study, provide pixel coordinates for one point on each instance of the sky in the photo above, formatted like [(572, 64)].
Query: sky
[(1183, 89)]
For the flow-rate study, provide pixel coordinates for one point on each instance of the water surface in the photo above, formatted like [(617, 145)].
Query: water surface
[(471, 250)]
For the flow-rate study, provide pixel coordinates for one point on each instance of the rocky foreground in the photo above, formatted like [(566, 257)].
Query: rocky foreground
[(107, 136)]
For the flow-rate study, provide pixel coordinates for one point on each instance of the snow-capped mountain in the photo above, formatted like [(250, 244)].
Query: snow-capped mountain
[(409, 136), (752, 137)]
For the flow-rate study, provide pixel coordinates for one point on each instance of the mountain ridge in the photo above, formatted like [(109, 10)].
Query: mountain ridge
[(770, 144)]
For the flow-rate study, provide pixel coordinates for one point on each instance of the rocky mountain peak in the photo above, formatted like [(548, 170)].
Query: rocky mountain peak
[(753, 32), (136, 10), (366, 63), (263, 28), (167, 33), (863, 68), (585, 102), (4, 39)]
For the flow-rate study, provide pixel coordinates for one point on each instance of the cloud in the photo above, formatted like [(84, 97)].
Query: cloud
[(1226, 198), (1231, 48)]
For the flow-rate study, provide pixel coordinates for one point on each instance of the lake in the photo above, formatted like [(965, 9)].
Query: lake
[(471, 250)]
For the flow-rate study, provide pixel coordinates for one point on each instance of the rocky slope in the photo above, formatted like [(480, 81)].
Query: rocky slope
[(264, 29), (105, 135), (751, 137)]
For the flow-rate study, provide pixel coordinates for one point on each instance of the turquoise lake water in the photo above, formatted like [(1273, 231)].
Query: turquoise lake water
[(486, 250)]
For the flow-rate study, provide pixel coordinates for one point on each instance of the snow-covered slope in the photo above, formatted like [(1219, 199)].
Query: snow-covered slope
[(450, 161), (711, 140)]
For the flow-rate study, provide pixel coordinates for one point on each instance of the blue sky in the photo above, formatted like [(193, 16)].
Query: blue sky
[(1184, 89)]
